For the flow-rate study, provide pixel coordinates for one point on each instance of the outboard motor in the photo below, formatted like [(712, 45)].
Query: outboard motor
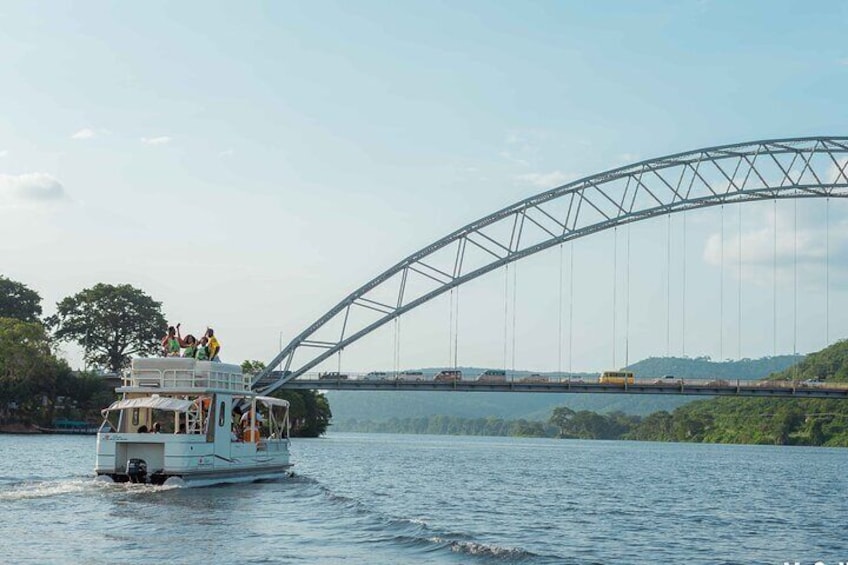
[(137, 470)]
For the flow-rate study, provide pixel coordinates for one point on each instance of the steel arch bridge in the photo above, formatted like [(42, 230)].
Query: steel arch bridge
[(810, 167)]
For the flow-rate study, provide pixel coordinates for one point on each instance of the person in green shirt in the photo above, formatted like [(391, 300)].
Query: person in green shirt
[(171, 343), (190, 343), (202, 350)]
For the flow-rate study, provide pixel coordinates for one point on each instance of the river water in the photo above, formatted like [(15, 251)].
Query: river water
[(373, 498)]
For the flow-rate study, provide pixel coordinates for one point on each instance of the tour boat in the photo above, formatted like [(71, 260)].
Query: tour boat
[(195, 423)]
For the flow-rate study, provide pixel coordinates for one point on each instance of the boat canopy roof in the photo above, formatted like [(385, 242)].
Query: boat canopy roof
[(271, 401), (155, 402)]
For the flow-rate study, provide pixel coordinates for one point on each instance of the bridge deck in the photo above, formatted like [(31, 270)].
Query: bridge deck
[(740, 388)]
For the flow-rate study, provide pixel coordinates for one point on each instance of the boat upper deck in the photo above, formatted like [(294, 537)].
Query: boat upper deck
[(183, 375)]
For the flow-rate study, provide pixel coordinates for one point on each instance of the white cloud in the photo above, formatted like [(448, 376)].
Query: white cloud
[(4, 153), (777, 245), (161, 140), (546, 180), (85, 133), (31, 186), (226, 153), (509, 156)]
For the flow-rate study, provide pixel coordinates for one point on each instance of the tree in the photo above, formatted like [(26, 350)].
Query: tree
[(19, 302), (28, 370), (309, 410), (561, 418), (111, 323), (252, 367)]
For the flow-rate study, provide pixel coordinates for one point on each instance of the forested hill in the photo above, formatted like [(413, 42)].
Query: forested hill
[(764, 420), (381, 406), (705, 368), (829, 364)]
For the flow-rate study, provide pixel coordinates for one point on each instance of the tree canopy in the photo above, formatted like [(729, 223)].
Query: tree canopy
[(18, 301), (111, 323), (28, 370), (309, 410)]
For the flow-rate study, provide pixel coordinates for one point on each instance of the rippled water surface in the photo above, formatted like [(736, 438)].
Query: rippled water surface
[(362, 498)]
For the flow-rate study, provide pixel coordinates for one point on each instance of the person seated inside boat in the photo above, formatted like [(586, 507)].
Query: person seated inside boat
[(202, 353), (142, 429), (171, 343), (251, 426), (156, 427), (236, 428), (214, 345)]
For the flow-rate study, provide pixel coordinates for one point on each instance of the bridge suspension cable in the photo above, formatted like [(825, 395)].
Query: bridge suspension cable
[(571, 312), (795, 288), (559, 321), (514, 311), (614, 285), (683, 299), (627, 306), (739, 290), (721, 293), (774, 282), (666, 185), (827, 274)]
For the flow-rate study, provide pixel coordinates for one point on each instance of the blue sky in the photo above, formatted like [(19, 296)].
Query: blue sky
[(250, 164)]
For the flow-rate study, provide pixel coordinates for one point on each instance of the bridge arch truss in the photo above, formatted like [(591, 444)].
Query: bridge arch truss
[(812, 167)]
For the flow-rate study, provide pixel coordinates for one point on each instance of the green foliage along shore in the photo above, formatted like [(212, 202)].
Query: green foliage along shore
[(309, 410), (765, 420)]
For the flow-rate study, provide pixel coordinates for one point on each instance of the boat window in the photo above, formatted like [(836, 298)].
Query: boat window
[(221, 415), (135, 417)]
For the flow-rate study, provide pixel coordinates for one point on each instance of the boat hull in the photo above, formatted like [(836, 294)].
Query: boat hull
[(191, 459), (203, 479)]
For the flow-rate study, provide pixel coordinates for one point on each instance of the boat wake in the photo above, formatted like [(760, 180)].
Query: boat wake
[(418, 535), (28, 490)]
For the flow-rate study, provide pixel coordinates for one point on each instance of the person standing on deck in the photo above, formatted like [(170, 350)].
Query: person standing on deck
[(171, 343), (214, 345), (202, 353)]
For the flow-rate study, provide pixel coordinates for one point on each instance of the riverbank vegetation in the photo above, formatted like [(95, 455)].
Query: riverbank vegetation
[(309, 410), (112, 324)]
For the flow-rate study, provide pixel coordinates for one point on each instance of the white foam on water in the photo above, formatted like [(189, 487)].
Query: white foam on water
[(45, 489)]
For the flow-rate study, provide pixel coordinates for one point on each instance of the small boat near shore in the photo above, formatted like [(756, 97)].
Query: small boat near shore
[(195, 423)]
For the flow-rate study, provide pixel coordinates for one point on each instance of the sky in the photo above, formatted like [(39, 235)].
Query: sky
[(250, 164)]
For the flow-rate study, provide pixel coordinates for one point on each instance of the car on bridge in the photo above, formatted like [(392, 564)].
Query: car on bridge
[(668, 380), (718, 382), (410, 376), (492, 376), (332, 376), (812, 383), (448, 376), (376, 376), (535, 378)]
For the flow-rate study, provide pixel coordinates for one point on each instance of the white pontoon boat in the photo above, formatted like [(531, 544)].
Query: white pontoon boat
[(183, 421)]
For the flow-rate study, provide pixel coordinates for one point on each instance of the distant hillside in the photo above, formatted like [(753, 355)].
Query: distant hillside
[(829, 364), (705, 368), (764, 420), (381, 406)]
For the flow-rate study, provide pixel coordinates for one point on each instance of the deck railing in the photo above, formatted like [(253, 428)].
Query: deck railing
[(186, 374)]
